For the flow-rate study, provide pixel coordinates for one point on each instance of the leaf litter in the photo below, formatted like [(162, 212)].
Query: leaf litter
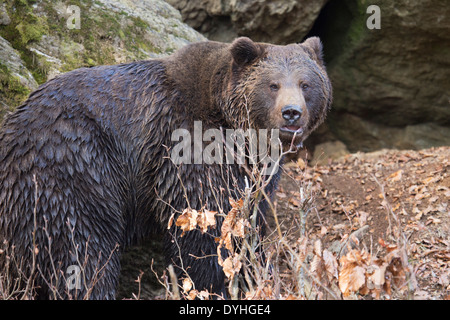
[(378, 227)]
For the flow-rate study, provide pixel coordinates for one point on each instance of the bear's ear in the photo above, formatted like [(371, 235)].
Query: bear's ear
[(314, 48), (244, 51)]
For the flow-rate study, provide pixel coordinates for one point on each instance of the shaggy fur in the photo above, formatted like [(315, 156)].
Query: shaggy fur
[(84, 161)]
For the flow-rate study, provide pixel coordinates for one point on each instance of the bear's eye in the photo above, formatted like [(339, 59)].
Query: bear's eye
[(274, 87), (304, 86)]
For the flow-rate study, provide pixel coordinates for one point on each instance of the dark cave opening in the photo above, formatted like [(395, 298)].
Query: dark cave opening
[(332, 26)]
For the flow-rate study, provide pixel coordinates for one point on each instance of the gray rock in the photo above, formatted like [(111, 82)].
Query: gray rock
[(327, 151), (16, 81), (279, 21), (362, 135), (391, 85), (4, 17), (392, 79), (10, 58), (166, 31), (111, 32)]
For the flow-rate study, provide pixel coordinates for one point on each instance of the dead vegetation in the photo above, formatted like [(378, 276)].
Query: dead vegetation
[(368, 226)]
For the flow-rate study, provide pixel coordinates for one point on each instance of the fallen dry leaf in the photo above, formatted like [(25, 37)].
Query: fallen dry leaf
[(187, 285), (231, 265), (324, 265), (351, 278), (396, 176), (358, 272), (187, 221), (294, 202), (206, 219), (234, 225), (191, 218), (301, 164), (331, 265)]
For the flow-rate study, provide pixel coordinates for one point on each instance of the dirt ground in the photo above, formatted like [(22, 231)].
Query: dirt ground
[(374, 202), (382, 197)]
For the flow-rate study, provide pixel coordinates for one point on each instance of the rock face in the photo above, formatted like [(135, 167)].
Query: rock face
[(279, 21), (391, 85), (35, 36), (16, 81)]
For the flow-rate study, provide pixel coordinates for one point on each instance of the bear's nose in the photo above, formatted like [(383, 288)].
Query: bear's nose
[(291, 112)]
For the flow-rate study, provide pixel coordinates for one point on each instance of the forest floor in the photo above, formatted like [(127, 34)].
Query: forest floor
[(390, 200), (384, 214)]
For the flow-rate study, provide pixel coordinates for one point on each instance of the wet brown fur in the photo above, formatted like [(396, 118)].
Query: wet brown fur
[(96, 142)]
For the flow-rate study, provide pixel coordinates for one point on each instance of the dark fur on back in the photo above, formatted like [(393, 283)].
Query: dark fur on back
[(85, 168)]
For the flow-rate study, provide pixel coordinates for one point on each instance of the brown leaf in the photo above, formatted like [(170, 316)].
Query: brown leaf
[(431, 179), (231, 266), (191, 218), (187, 221), (187, 285), (331, 265), (317, 267), (318, 248), (382, 243), (226, 239), (396, 176), (351, 278), (206, 219), (352, 274), (301, 164), (281, 195), (232, 223), (203, 295), (376, 275), (171, 219), (397, 270), (192, 295), (237, 205), (294, 202), (391, 247)]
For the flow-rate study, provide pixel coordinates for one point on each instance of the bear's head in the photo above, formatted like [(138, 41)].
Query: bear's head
[(278, 87)]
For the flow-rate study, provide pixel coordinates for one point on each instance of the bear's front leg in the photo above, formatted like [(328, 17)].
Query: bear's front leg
[(194, 255)]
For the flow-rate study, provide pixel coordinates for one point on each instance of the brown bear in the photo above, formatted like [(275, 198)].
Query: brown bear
[(84, 166)]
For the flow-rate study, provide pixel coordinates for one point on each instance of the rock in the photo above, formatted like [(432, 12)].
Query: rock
[(111, 32), (426, 135), (359, 134), (4, 17), (279, 22), (16, 81), (166, 32), (327, 151), (391, 87), (388, 81), (10, 59)]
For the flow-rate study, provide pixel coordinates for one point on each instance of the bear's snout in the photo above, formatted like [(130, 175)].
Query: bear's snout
[(291, 113)]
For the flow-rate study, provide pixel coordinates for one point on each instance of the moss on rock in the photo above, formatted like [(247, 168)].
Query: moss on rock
[(111, 32)]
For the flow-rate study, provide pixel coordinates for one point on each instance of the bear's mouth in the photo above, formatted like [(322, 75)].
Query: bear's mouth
[(293, 135), (292, 130)]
